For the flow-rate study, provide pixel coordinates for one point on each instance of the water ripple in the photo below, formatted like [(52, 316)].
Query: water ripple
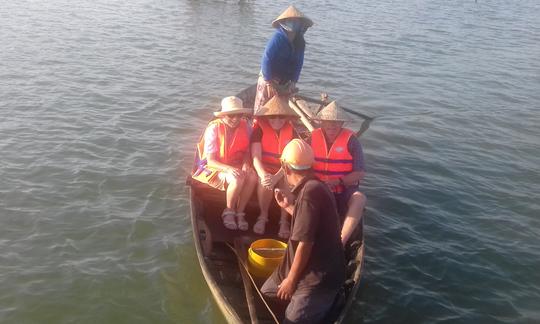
[(102, 102)]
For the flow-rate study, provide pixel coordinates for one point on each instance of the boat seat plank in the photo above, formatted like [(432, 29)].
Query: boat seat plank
[(214, 203)]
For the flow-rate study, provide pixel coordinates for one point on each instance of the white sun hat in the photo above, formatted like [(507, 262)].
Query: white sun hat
[(232, 105)]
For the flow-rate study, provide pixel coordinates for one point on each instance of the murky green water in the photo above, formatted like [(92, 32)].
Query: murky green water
[(101, 103)]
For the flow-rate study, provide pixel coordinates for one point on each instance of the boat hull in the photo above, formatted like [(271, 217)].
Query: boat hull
[(222, 254)]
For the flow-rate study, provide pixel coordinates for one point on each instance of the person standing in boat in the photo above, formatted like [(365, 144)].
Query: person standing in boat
[(283, 56), (272, 130), (313, 268), (223, 160), (339, 162)]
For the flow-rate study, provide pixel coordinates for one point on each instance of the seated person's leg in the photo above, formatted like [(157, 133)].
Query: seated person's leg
[(356, 204), (246, 190), (234, 188), (234, 185), (270, 288), (264, 196), (309, 307)]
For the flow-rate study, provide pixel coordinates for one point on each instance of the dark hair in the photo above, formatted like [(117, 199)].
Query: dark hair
[(299, 42), (304, 173)]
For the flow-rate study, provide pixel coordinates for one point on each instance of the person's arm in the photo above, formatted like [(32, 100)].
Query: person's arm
[(214, 163), (301, 257), (351, 179), (298, 67), (357, 175), (256, 153), (269, 55), (247, 162), (354, 178), (284, 201), (276, 177), (211, 148), (305, 227)]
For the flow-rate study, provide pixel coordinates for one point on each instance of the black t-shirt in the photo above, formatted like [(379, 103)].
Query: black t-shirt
[(315, 220)]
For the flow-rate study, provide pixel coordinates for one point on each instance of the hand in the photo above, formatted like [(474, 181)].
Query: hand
[(281, 199), (274, 179), (270, 89), (282, 89), (235, 172), (292, 87), (266, 181), (246, 167), (286, 289)]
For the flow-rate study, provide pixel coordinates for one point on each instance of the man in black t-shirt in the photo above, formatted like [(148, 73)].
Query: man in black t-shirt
[(313, 269)]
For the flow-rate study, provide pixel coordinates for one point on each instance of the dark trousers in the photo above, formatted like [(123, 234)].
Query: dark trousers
[(305, 306)]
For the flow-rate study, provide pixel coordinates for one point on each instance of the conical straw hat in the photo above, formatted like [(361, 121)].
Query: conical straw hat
[(332, 112), (277, 106), (292, 12)]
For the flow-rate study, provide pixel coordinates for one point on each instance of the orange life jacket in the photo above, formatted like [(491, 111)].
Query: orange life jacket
[(231, 153), (272, 144), (334, 163)]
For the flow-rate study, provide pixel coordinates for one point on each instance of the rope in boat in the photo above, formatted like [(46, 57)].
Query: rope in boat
[(253, 282)]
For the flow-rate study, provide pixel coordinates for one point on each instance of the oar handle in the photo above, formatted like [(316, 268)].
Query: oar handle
[(305, 120), (320, 102), (268, 249)]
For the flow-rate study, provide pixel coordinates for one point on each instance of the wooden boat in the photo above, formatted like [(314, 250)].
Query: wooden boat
[(222, 255)]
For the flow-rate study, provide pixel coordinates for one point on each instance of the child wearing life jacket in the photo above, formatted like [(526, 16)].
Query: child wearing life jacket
[(339, 162), (273, 129), (224, 160)]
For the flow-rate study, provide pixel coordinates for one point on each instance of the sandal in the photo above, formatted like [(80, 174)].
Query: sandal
[(242, 223), (228, 219), (260, 225), (284, 229)]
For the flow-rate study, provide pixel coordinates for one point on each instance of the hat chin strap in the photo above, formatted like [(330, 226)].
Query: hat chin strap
[(285, 27), (298, 167), (292, 25)]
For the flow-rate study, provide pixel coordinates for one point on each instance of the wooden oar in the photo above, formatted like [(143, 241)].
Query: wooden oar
[(268, 250), (248, 289), (364, 127), (243, 264), (303, 117), (305, 108), (320, 102), (365, 124)]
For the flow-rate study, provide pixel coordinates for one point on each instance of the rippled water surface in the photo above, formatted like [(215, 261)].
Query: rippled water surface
[(101, 103)]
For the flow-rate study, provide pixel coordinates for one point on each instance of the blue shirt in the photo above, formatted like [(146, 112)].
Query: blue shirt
[(280, 62)]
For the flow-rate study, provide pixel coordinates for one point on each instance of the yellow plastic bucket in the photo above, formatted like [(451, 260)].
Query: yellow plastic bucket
[(264, 256)]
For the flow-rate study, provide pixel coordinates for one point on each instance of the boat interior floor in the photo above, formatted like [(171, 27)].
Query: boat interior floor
[(214, 203), (225, 249)]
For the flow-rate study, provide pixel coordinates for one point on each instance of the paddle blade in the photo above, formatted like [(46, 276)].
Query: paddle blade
[(364, 127)]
